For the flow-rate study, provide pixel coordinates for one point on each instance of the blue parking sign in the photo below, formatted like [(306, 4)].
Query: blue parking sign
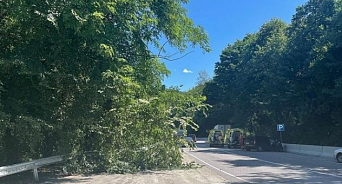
[(280, 127)]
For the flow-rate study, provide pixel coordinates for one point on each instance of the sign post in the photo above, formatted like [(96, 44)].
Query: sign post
[(280, 128)]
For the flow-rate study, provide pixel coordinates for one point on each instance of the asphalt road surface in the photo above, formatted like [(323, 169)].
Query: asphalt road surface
[(239, 166)]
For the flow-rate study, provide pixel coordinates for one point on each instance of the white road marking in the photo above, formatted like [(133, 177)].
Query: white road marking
[(218, 168), (289, 166)]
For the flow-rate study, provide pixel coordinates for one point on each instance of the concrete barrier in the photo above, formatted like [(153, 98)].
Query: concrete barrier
[(311, 150), (292, 148), (328, 151), (320, 151)]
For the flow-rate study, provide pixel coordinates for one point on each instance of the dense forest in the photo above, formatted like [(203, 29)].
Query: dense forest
[(78, 78), (283, 74)]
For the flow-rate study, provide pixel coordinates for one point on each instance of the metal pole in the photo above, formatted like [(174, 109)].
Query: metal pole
[(35, 174), (281, 139)]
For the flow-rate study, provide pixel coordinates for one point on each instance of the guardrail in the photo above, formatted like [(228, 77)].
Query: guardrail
[(31, 165), (319, 151)]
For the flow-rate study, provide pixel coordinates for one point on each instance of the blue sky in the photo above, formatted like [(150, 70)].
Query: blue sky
[(225, 21)]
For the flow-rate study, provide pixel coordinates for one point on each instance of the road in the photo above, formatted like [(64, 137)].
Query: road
[(239, 166)]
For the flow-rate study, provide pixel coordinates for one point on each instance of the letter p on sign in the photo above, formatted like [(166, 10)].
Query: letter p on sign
[(280, 127)]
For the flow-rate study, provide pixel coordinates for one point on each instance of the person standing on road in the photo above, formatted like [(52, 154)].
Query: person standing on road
[(241, 141)]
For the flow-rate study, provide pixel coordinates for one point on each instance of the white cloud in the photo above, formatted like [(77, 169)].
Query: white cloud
[(187, 71)]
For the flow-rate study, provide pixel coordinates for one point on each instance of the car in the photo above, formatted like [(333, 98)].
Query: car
[(194, 138), (338, 155), (190, 141), (259, 143), (180, 133), (186, 142), (276, 145)]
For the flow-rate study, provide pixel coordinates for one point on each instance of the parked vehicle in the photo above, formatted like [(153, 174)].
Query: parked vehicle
[(194, 138), (224, 128), (215, 138), (276, 145), (338, 155), (180, 133), (187, 141), (190, 141), (259, 143), (232, 138)]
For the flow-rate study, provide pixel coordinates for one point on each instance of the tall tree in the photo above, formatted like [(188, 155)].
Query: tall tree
[(284, 74), (78, 77)]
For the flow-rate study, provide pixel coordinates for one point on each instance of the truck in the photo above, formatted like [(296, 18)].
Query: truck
[(223, 128)]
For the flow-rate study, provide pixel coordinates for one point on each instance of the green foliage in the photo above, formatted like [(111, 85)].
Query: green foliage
[(283, 74), (77, 78)]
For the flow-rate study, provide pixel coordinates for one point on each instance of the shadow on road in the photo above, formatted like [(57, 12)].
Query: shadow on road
[(274, 167)]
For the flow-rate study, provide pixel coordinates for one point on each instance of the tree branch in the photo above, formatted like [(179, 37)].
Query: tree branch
[(161, 49), (169, 59)]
